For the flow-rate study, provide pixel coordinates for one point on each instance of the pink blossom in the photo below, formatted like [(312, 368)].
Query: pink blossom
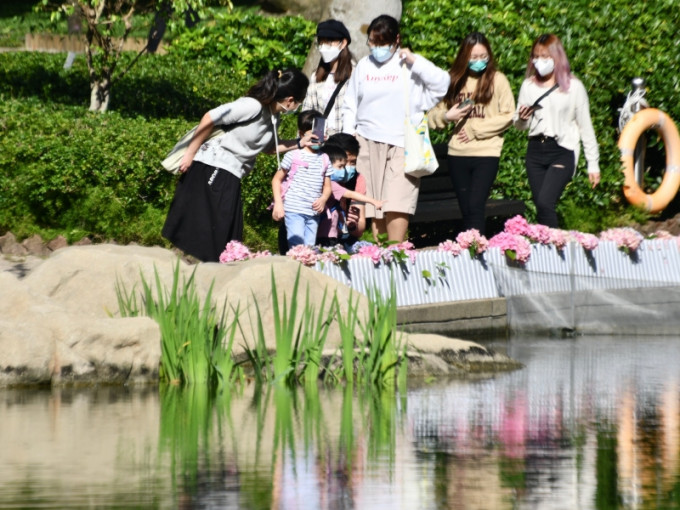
[(449, 246), (558, 238), (304, 254), (260, 254), (234, 251), (517, 225), (515, 245), (407, 248), (472, 241), (372, 252), (662, 234), (587, 241), (626, 239), (539, 234)]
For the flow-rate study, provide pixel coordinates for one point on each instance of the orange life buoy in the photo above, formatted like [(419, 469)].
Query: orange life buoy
[(641, 121)]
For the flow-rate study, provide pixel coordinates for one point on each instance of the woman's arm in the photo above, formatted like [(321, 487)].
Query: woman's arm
[(202, 131), (590, 149), (502, 101)]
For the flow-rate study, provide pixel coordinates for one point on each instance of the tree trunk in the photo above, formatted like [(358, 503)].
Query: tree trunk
[(100, 93)]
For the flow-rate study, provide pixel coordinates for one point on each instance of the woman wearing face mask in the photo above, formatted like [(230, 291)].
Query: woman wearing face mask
[(206, 211), (480, 104), (374, 110), (333, 72), (553, 106)]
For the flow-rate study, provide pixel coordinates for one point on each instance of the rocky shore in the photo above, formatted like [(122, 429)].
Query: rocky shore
[(60, 323)]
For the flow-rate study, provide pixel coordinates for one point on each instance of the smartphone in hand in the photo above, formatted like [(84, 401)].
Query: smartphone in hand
[(318, 129), (465, 102)]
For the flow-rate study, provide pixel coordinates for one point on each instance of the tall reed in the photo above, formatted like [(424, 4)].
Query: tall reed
[(196, 339)]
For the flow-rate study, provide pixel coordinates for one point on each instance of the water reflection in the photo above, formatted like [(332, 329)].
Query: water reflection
[(588, 423)]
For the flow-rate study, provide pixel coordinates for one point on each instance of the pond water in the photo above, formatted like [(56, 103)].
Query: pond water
[(589, 422)]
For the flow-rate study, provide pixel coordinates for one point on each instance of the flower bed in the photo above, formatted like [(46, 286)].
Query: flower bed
[(523, 259)]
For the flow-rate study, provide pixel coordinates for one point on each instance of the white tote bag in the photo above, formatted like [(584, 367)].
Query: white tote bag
[(419, 157), (174, 157)]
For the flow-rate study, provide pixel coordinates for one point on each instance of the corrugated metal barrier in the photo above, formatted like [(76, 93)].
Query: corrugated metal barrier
[(438, 277)]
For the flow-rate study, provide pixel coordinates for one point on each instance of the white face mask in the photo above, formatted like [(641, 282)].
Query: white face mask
[(329, 52), (544, 66)]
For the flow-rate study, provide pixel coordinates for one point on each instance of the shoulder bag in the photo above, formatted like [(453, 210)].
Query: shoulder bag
[(419, 157)]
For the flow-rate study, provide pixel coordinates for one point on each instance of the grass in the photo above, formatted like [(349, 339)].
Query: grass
[(197, 338)]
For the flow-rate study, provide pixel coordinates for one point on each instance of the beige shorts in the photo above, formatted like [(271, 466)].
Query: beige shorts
[(382, 166)]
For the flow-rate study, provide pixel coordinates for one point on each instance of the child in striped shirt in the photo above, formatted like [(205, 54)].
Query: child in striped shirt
[(301, 188)]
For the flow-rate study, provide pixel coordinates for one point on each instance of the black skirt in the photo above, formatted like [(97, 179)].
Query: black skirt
[(206, 212)]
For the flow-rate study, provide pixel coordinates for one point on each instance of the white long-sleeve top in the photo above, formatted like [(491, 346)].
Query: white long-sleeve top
[(374, 104), (564, 116), (250, 130)]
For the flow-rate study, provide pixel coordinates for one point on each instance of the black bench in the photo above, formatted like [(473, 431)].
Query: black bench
[(437, 200)]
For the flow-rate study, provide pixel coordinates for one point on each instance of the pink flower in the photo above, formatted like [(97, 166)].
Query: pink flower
[(472, 241), (558, 238), (304, 254), (587, 241), (234, 251), (661, 234), (626, 239), (260, 254), (405, 248), (515, 246), (539, 234), (450, 247), (517, 225), (372, 252)]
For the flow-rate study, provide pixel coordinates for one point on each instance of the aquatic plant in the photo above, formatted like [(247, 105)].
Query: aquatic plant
[(196, 340)]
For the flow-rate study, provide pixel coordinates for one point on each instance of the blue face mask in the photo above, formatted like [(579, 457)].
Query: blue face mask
[(477, 65), (381, 53), (343, 174)]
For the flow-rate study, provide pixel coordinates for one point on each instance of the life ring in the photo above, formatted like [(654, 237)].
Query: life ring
[(641, 121)]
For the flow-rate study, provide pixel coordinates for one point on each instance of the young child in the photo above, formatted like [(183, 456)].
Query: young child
[(344, 220), (342, 174), (301, 188)]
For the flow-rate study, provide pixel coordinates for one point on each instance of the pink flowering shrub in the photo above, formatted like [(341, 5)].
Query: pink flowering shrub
[(304, 254), (234, 251), (626, 239), (402, 251), (558, 238), (472, 241), (371, 251), (587, 241), (517, 225), (515, 246), (661, 234), (451, 247)]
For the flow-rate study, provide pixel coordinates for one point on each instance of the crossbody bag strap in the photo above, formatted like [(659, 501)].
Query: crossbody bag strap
[(546, 94), (331, 101)]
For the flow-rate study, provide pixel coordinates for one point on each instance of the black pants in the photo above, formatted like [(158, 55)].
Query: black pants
[(472, 178), (550, 167)]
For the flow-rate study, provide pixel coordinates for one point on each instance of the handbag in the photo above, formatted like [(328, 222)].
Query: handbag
[(419, 157), (174, 157)]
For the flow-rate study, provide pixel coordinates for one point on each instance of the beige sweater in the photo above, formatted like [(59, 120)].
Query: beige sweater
[(485, 124)]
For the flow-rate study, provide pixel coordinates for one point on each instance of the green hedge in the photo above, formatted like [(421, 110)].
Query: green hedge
[(66, 171), (608, 44)]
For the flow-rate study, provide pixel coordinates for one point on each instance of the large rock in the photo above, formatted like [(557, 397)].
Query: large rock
[(62, 324)]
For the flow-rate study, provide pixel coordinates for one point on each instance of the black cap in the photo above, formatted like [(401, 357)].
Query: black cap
[(332, 29)]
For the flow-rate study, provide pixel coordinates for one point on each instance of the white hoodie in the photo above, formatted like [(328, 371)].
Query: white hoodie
[(374, 105)]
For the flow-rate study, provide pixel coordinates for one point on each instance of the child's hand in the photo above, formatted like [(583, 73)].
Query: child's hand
[(277, 212), (319, 205)]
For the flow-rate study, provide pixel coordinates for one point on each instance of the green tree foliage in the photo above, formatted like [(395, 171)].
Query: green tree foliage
[(108, 24)]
